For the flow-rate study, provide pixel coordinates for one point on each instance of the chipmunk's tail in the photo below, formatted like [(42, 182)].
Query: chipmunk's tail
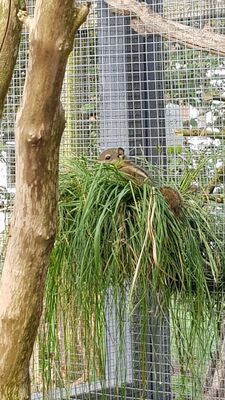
[(173, 198)]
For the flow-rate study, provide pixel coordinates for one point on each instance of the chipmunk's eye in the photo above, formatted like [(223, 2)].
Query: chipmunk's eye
[(107, 157)]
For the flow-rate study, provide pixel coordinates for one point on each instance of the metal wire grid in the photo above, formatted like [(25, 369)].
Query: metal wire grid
[(136, 91)]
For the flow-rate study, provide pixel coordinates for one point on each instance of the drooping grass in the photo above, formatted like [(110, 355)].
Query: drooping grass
[(120, 241)]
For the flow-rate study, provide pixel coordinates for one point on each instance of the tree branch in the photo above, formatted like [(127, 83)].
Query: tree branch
[(10, 32), (81, 14), (145, 21), (199, 132)]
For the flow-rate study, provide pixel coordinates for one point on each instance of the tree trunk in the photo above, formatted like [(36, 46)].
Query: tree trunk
[(40, 123), (10, 32)]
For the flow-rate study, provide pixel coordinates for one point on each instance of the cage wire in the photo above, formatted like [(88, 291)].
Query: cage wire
[(158, 99)]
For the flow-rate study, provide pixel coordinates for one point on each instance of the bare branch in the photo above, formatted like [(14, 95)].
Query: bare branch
[(199, 132), (81, 14), (10, 31), (145, 21)]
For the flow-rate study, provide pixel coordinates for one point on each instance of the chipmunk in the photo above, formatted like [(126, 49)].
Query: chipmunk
[(139, 175), (127, 167)]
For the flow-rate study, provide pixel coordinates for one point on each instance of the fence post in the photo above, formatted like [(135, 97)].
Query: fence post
[(132, 115)]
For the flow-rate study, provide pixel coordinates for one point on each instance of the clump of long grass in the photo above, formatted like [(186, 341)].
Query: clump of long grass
[(121, 238)]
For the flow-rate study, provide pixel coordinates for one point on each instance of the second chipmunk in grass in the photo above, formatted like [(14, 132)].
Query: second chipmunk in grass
[(132, 171)]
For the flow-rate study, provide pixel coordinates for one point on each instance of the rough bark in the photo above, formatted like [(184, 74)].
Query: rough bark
[(40, 123), (145, 21), (10, 32)]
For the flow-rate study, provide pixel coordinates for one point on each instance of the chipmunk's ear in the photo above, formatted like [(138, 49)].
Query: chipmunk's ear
[(120, 152)]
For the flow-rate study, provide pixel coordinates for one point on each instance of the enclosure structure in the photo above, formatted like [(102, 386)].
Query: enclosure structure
[(134, 82)]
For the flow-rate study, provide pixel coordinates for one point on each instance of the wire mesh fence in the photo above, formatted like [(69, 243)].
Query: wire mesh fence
[(133, 83)]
